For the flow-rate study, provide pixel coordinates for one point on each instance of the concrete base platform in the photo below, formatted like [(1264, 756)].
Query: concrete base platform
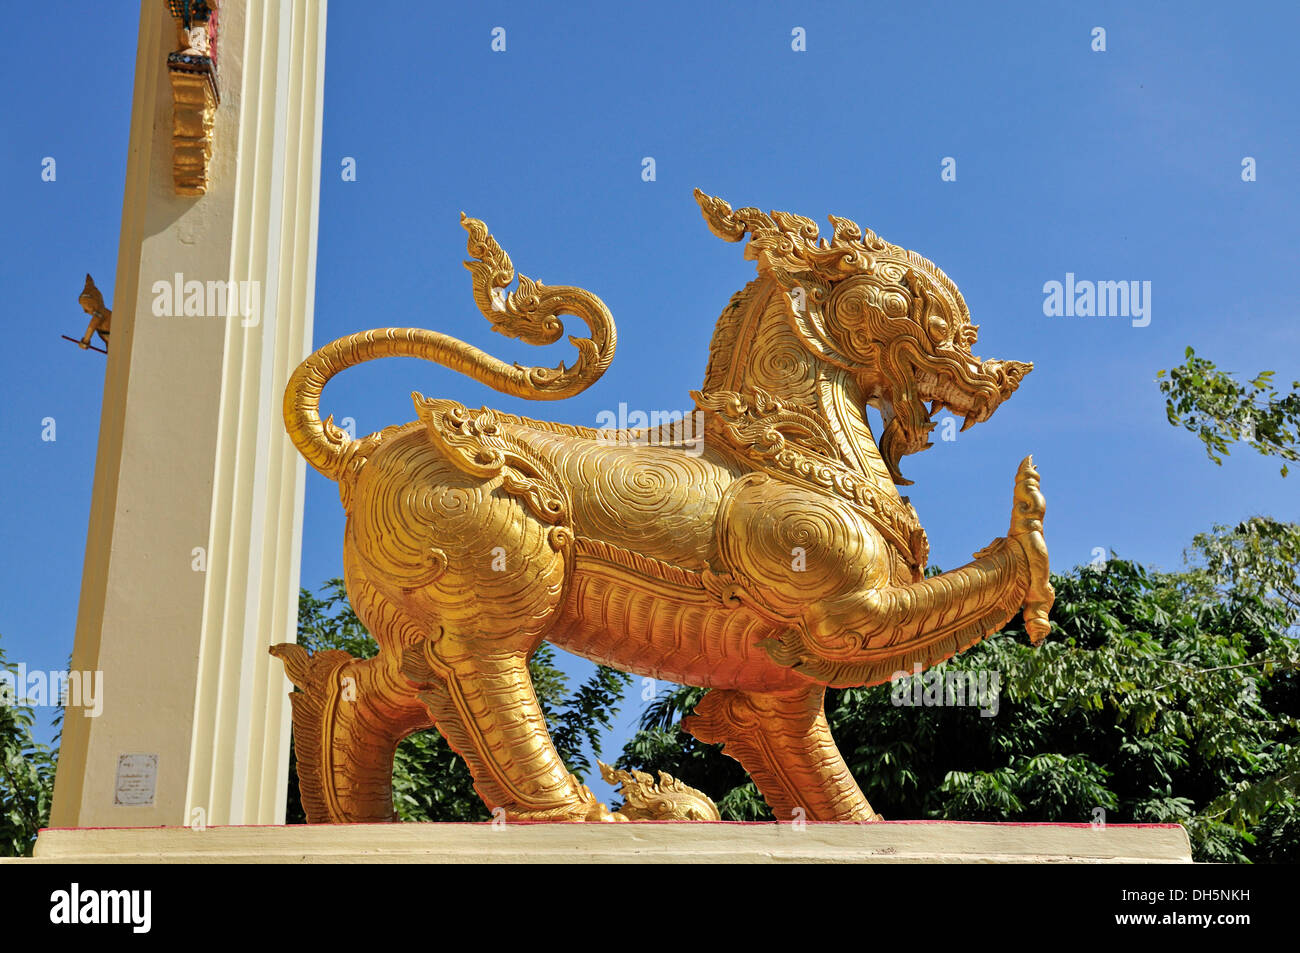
[(890, 842)]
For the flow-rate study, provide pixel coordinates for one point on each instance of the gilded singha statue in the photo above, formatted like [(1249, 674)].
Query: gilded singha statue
[(777, 562)]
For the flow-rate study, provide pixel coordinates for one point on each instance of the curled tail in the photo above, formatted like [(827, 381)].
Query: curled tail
[(530, 313)]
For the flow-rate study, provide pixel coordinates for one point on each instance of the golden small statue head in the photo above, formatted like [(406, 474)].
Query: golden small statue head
[(890, 316), (90, 299)]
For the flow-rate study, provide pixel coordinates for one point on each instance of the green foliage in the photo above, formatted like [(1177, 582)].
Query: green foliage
[(1220, 411), (328, 622), (430, 781), (1258, 557), (580, 717), (1155, 701), (26, 775)]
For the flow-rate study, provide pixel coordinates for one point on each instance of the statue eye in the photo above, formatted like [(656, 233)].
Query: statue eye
[(937, 326)]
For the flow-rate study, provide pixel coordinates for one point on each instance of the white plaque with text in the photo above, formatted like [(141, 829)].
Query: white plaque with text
[(137, 777)]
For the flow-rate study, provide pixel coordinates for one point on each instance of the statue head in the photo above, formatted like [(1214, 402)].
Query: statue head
[(889, 317), (90, 299)]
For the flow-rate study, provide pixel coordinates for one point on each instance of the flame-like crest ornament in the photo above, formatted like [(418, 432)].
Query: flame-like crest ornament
[(776, 562)]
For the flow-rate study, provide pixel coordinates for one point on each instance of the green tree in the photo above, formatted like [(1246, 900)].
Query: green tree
[(430, 781), (1217, 408), (1260, 556), (26, 772), (1154, 701)]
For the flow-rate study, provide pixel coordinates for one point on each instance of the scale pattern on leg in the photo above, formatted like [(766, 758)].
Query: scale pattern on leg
[(485, 706)]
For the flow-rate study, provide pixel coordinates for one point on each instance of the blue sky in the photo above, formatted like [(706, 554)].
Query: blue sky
[(1115, 165)]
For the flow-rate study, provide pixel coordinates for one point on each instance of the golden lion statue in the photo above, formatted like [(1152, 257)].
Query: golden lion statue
[(778, 561)]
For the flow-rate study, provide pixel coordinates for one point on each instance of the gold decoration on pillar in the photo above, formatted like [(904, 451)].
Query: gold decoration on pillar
[(192, 69), (772, 562)]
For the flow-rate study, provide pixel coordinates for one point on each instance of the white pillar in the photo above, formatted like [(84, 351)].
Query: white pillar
[(192, 451)]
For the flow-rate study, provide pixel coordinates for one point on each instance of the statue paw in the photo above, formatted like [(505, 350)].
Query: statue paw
[(1036, 622), (1039, 594), (601, 814)]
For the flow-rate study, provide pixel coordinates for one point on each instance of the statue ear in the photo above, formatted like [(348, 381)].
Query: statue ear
[(805, 298)]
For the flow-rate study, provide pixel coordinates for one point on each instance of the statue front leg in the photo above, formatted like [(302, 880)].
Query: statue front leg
[(865, 637), (783, 741)]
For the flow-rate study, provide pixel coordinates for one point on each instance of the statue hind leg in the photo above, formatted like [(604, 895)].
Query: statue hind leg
[(349, 715), (495, 515), (783, 741), (480, 695)]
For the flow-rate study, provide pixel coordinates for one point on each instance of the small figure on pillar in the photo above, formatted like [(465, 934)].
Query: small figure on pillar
[(92, 302)]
